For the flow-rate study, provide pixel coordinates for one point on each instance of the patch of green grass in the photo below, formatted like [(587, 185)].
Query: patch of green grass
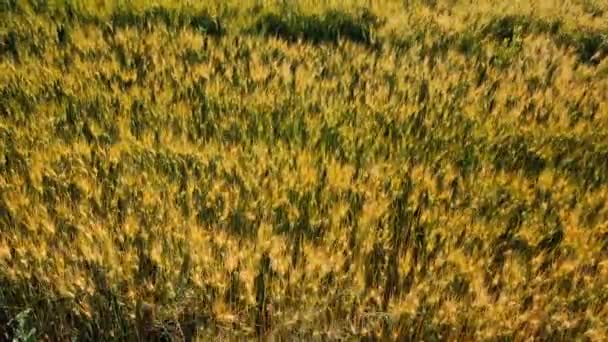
[(202, 22), (327, 27)]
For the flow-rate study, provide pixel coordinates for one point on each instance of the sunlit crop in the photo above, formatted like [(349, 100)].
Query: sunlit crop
[(304, 170)]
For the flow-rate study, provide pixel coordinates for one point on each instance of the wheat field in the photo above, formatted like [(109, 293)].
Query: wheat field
[(304, 170)]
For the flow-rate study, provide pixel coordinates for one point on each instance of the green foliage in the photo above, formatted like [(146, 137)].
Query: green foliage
[(202, 22), (506, 28), (587, 44), (23, 330), (8, 5), (328, 27)]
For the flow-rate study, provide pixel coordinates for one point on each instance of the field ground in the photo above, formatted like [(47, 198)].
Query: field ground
[(346, 170)]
